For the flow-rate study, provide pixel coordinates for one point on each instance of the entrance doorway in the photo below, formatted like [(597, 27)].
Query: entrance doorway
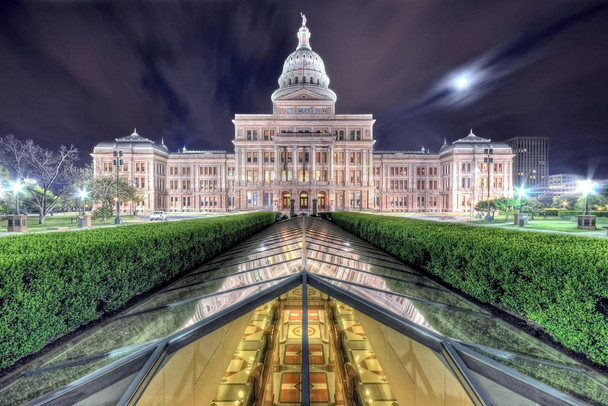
[(304, 200), (321, 201), (286, 199)]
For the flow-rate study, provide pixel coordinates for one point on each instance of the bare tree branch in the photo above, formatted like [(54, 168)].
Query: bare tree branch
[(47, 168)]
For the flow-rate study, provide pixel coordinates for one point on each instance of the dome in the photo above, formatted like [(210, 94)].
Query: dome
[(304, 68)]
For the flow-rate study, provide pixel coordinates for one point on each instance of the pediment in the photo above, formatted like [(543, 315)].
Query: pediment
[(316, 93)]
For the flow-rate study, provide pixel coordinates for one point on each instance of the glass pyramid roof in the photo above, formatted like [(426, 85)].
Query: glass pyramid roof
[(493, 359)]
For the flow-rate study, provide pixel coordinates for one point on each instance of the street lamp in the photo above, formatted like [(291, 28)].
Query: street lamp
[(117, 162), (586, 187), (521, 193), (16, 188), (488, 160), (83, 194)]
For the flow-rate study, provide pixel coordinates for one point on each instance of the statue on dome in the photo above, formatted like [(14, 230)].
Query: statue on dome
[(303, 19)]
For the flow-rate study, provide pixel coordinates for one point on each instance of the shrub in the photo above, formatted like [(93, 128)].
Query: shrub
[(51, 284), (551, 212), (558, 281), (566, 213)]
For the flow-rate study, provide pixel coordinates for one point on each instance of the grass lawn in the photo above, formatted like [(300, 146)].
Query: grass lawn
[(552, 223), (62, 220)]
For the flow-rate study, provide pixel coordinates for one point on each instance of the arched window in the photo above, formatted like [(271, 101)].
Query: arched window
[(318, 81), (311, 80), (296, 80), (290, 81)]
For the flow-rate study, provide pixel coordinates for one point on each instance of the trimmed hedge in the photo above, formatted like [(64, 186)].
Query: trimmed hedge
[(563, 213), (557, 281), (50, 284)]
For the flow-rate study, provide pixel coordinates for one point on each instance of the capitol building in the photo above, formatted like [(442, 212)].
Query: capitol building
[(305, 151)]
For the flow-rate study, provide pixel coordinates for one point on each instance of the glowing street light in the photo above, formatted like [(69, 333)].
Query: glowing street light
[(521, 193), (16, 187), (586, 187), (83, 194)]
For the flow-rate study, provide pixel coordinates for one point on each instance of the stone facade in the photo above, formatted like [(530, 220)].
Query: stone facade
[(305, 151)]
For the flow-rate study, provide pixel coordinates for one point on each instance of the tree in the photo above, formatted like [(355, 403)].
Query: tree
[(596, 202), (79, 178), (533, 207), (4, 195), (103, 192), (545, 199), (47, 168), (565, 202), (506, 204), (482, 206)]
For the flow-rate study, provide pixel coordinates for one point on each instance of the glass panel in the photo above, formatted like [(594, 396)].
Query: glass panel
[(499, 395), (33, 384), (581, 382)]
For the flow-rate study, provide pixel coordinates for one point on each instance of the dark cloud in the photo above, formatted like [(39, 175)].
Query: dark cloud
[(81, 71)]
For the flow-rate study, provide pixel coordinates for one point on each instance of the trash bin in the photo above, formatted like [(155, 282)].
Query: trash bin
[(522, 222)]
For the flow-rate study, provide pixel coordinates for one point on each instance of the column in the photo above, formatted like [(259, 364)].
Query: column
[(294, 161), (346, 166), (313, 158), (331, 163), (277, 160), (260, 170)]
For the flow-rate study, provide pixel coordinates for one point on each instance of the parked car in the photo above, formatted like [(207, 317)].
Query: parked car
[(158, 215)]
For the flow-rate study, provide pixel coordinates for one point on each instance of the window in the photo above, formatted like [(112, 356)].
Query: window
[(290, 111), (317, 111), (268, 176), (300, 110), (286, 176), (303, 176)]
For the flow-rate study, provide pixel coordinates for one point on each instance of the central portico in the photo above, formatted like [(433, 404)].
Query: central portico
[(304, 151)]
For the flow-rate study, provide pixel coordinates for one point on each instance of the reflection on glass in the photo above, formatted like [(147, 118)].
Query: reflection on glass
[(254, 266)]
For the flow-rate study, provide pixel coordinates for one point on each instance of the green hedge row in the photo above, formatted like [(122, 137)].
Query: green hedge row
[(51, 284), (558, 281), (551, 212), (563, 213)]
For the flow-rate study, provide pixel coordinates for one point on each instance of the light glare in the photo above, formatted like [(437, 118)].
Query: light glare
[(586, 186), (16, 187)]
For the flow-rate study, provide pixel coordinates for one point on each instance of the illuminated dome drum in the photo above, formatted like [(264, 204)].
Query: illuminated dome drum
[(304, 68)]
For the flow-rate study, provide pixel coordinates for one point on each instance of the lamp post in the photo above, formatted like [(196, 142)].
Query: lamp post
[(488, 160), (117, 162), (83, 194), (586, 221), (521, 193), (16, 187), (586, 187)]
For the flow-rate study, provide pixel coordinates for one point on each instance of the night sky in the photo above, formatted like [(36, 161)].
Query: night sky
[(82, 72)]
